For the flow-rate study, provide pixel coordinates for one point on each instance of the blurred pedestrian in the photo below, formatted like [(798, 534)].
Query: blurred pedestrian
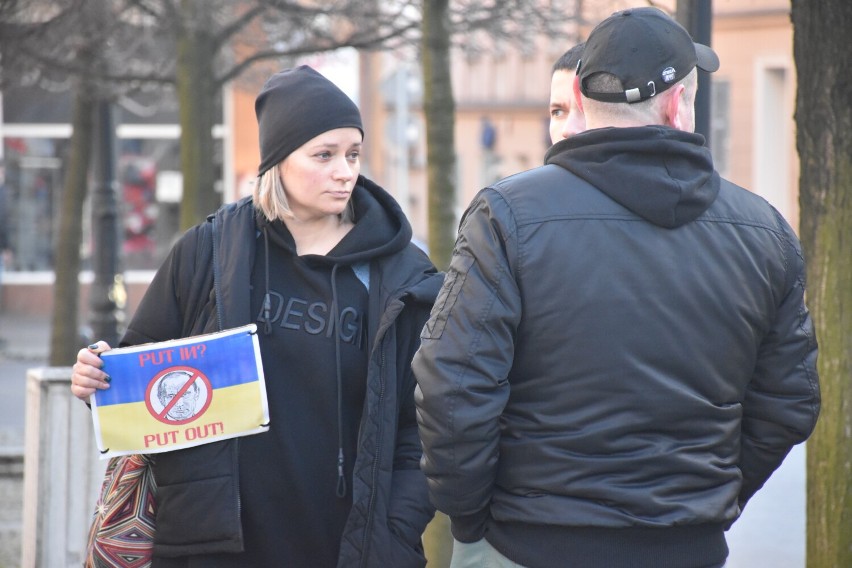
[(321, 259), (5, 243), (621, 354)]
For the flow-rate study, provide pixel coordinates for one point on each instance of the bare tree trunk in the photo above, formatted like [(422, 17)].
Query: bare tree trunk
[(196, 92), (64, 341), (824, 140), (439, 108)]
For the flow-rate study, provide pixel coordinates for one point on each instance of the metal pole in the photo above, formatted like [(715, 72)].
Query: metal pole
[(697, 17), (401, 127), (107, 294)]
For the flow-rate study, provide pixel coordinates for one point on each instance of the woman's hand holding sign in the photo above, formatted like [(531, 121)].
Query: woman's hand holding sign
[(87, 376)]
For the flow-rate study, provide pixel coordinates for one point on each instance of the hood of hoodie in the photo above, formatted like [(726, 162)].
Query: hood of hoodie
[(380, 228), (664, 175)]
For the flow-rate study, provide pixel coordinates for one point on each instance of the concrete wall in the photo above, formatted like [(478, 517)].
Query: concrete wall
[(62, 474)]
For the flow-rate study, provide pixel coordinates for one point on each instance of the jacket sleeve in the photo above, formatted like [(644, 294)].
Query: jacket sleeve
[(463, 363), (782, 400), (178, 294)]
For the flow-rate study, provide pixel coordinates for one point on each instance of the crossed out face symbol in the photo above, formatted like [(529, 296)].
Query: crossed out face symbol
[(178, 395)]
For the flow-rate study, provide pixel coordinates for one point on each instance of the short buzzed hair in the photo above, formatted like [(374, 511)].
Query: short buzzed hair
[(648, 110), (569, 59)]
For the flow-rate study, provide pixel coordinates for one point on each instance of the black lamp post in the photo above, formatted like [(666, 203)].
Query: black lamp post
[(697, 17), (107, 295)]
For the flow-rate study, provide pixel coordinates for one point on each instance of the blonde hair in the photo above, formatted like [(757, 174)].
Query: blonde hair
[(270, 198)]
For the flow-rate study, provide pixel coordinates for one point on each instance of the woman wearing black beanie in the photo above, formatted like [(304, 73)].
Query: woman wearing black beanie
[(321, 259)]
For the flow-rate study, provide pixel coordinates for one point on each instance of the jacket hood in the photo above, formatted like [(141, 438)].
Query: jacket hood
[(664, 175), (381, 228)]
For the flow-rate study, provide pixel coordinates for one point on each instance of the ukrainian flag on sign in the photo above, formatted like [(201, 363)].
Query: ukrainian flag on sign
[(182, 393)]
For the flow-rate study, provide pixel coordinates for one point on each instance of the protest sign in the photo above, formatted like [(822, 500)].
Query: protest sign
[(182, 393)]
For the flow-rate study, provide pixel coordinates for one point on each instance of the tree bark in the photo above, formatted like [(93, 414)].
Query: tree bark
[(64, 337), (197, 94), (824, 141), (439, 109)]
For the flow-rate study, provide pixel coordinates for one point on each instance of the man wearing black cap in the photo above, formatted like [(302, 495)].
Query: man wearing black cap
[(621, 354)]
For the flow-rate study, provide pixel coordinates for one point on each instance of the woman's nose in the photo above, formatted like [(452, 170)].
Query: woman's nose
[(344, 170)]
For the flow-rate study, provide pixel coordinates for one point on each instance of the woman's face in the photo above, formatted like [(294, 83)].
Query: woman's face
[(319, 176)]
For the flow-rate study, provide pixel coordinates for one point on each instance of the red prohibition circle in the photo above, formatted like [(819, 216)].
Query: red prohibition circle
[(195, 376)]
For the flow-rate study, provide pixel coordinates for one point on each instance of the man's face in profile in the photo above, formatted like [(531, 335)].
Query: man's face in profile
[(566, 118)]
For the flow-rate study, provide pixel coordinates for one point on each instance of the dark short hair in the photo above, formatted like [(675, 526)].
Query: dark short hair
[(569, 59)]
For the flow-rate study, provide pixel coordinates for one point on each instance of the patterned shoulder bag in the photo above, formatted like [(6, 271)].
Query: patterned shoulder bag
[(122, 532)]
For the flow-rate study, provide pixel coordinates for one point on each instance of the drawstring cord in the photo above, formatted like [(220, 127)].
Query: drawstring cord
[(341, 476), (267, 302)]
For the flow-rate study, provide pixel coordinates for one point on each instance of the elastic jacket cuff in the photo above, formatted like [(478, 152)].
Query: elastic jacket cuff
[(470, 528)]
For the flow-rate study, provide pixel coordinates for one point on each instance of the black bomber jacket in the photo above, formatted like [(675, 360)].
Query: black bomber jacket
[(621, 341)]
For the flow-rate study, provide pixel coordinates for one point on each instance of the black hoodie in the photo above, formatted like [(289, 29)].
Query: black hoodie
[(665, 176)]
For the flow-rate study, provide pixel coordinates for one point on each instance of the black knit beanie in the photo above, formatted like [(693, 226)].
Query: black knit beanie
[(296, 105)]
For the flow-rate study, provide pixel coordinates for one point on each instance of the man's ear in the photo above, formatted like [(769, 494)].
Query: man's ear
[(673, 106), (578, 96)]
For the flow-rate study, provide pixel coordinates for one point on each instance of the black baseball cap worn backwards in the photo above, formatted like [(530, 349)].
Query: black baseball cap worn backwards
[(644, 48)]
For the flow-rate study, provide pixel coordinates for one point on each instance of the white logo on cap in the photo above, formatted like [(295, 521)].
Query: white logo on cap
[(668, 74)]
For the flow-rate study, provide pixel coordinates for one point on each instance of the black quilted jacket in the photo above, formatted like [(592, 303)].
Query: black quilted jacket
[(198, 488)]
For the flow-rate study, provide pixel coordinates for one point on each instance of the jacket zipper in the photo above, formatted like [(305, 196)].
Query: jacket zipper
[(368, 527), (217, 269), (216, 278)]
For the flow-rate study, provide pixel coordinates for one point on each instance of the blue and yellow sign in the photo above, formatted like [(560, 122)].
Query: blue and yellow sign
[(183, 393)]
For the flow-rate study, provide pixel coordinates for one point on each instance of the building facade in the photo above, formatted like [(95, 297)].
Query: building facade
[(502, 98), (501, 92)]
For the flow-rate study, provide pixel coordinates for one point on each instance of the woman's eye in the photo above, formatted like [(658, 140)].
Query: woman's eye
[(324, 155), (556, 113), (354, 155)]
